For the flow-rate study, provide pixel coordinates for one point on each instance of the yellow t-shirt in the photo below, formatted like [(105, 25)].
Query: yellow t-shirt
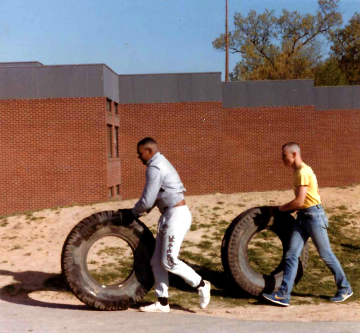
[(305, 176)]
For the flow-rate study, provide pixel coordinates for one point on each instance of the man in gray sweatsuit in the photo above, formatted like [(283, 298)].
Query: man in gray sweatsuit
[(165, 190)]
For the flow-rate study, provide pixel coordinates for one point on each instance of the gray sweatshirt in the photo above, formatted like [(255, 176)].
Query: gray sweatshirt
[(163, 186)]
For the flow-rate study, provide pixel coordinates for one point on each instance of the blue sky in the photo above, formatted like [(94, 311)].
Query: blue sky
[(130, 36)]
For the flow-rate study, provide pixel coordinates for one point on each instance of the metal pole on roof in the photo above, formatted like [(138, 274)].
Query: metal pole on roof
[(227, 45)]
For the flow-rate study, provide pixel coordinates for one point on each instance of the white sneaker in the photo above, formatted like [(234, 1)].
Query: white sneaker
[(204, 294), (155, 307)]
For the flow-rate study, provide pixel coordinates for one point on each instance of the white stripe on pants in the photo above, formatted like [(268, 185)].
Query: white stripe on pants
[(172, 228)]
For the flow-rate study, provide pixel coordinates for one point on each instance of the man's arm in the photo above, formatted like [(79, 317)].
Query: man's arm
[(298, 202), (151, 190), (150, 209)]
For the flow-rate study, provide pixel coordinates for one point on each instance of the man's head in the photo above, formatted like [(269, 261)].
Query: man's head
[(146, 149), (291, 154)]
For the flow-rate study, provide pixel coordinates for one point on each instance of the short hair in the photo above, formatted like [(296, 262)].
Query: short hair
[(292, 145), (145, 141)]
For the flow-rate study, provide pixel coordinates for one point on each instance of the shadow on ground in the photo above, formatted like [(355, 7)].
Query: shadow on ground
[(225, 287), (29, 282), (222, 285)]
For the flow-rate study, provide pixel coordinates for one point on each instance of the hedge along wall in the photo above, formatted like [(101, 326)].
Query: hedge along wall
[(232, 150)]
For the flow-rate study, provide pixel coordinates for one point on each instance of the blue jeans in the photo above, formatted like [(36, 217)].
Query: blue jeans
[(311, 222)]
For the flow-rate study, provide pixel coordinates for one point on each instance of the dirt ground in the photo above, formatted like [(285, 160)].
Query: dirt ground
[(31, 245)]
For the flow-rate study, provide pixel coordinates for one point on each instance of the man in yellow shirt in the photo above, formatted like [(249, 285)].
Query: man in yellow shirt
[(311, 222)]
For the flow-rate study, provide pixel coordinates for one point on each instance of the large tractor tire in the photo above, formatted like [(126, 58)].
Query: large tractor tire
[(75, 268), (235, 244)]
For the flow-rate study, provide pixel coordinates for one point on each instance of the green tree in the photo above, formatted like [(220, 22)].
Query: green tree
[(279, 48), (329, 73), (346, 48)]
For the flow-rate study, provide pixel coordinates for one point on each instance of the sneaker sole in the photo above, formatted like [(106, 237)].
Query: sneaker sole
[(345, 298), (276, 302), (154, 311)]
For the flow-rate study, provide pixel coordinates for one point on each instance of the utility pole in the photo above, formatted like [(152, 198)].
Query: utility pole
[(227, 45)]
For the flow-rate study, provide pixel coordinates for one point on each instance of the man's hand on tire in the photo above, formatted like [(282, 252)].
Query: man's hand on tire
[(125, 217), (274, 210)]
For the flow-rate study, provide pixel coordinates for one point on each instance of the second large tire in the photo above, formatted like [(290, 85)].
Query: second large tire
[(74, 261), (235, 245)]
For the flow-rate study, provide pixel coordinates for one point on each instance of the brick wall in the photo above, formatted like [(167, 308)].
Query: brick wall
[(53, 153), (330, 142), (253, 139), (337, 135), (239, 149), (189, 135)]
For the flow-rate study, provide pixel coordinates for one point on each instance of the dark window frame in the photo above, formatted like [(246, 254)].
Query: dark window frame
[(116, 141), (108, 105), (109, 135)]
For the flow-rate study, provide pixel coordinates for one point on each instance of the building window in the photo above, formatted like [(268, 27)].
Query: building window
[(117, 189), (117, 141), (108, 105), (109, 140), (116, 108), (110, 192)]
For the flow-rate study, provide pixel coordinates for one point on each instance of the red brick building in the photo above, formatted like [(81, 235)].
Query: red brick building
[(68, 134)]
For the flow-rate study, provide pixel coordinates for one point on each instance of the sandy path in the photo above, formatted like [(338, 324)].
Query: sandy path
[(31, 244)]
